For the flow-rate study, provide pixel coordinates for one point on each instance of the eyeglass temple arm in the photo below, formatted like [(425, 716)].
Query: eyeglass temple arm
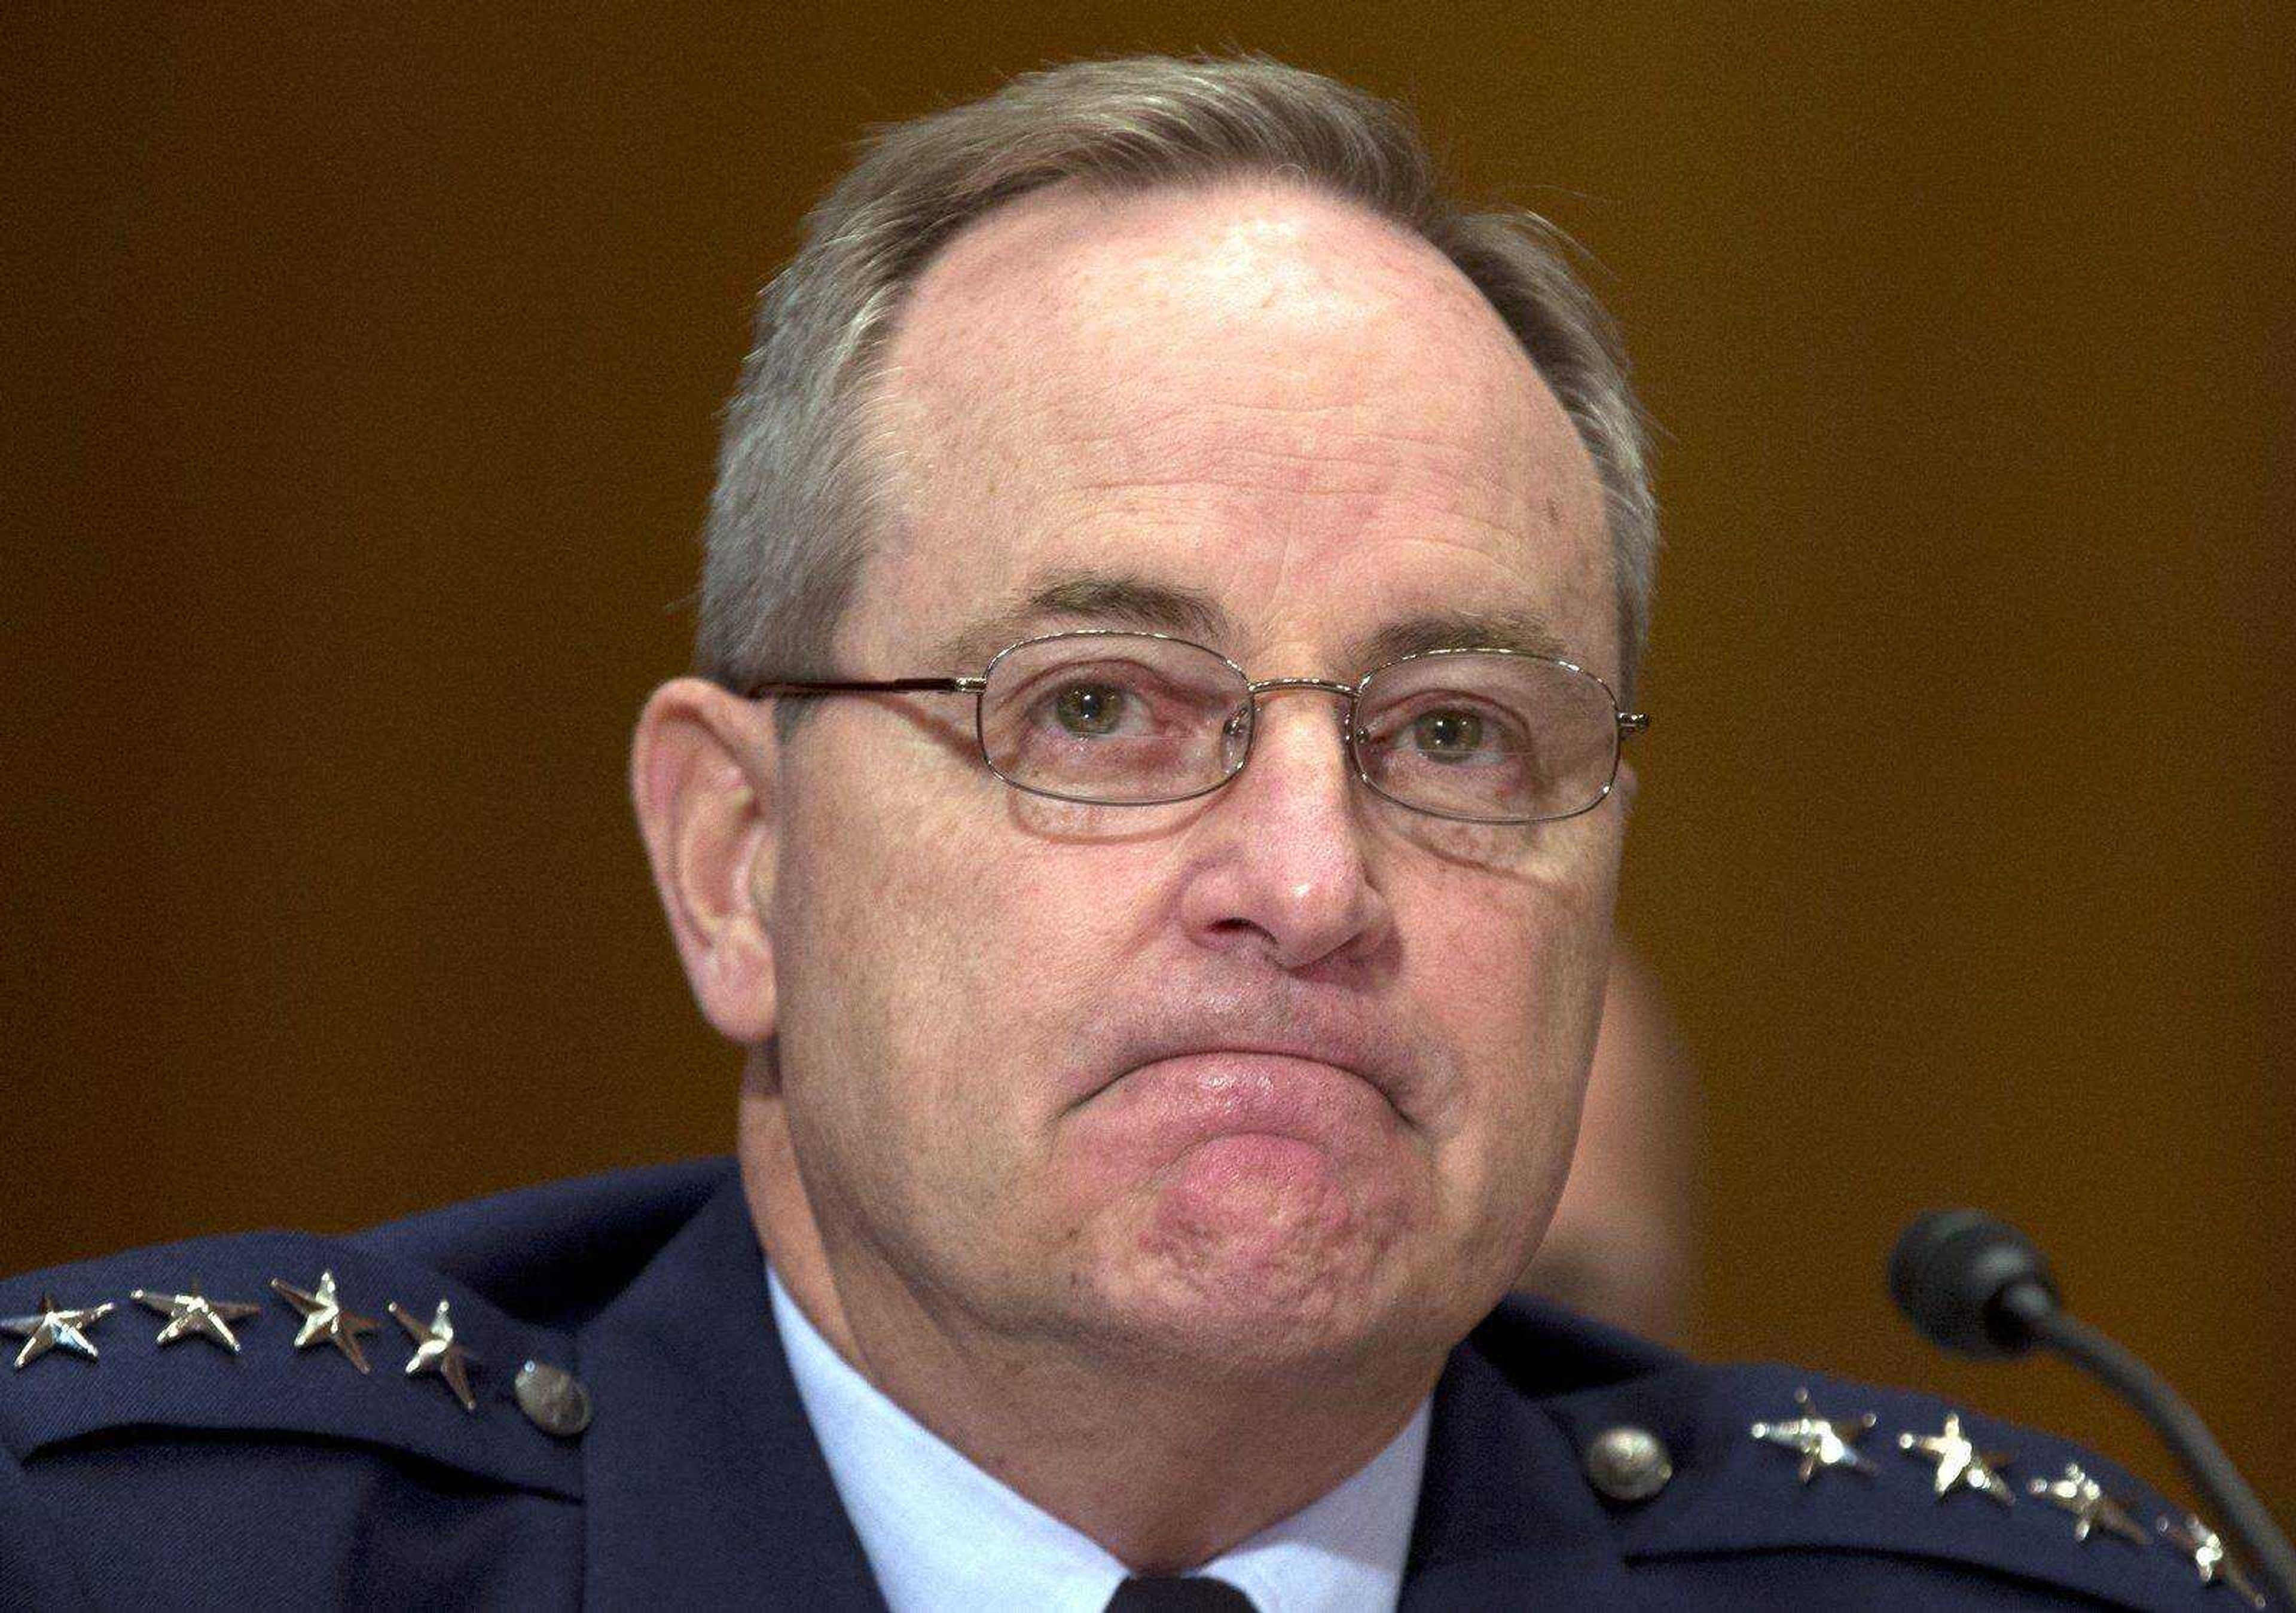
[(1633, 722), (892, 685)]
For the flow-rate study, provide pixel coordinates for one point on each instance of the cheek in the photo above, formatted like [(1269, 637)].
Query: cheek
[(1061, 931), (1507, 970), (957, 953), (1503, 957), (868, 921)]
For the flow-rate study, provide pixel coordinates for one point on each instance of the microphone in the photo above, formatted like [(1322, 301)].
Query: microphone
[(1977, 1286), (1972, 1284)]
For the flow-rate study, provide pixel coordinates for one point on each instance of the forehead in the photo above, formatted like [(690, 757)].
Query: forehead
[(1265, 396)]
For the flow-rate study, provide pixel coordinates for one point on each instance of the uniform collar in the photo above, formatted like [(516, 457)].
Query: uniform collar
[(704, 1486), (941, 1533)]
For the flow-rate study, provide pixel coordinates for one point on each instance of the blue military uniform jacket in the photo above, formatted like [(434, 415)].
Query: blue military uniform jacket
[(186, 1475)]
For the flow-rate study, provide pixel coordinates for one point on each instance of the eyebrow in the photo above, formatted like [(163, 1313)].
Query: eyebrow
[(1101, 599), (1107, 599), (1525, 632)]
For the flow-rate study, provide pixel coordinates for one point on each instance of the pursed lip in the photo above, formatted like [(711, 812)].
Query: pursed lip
[(1291, 1052), (1173, 1103), (1337, 1043)]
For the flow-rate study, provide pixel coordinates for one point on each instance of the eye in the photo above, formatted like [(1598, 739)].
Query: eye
[(1447, 734), (1091, 710)]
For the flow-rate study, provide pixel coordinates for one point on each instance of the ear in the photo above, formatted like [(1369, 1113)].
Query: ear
[(705, 770)]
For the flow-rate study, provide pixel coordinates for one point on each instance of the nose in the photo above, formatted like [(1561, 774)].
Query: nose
[(1277, 862)]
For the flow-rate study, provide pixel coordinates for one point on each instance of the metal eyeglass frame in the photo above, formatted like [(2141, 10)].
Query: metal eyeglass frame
[(1628, 722)]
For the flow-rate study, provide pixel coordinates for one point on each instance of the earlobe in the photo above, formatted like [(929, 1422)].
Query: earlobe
[(704, 768)]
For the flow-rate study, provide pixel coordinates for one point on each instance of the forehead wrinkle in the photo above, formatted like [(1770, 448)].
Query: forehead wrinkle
[(1042, 382)]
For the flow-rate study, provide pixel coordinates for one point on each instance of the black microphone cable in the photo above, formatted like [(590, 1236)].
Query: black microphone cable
[(1975, 1285)]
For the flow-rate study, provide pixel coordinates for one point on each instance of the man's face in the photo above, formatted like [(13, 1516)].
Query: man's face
[(1284, 1074)]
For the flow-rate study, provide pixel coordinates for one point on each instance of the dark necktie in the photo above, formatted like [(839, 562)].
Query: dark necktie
[(1179, 1594)]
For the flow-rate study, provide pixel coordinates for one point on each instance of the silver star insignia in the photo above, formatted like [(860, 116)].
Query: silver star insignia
[(2206, 1547), (1823, 1442), (196, 1315), (435, 1351), (1960, 1464), (52, 1325), (324, 1320), (2077, 1493)]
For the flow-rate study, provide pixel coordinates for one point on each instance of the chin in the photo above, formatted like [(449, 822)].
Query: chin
[(1251, 1267)]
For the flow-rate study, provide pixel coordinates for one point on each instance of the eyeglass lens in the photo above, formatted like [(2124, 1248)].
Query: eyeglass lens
[(1130, 719)]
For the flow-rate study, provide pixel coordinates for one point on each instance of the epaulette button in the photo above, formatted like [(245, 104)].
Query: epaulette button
[(553, 1399), (1627, 1464)]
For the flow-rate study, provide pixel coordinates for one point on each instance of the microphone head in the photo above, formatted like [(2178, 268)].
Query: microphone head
[(1968, 1279)]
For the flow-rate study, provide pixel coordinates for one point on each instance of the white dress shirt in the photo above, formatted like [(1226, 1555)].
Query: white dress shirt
[(942, 1535)]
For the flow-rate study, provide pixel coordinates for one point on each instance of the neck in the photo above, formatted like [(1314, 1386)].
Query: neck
[(1166, 1464)]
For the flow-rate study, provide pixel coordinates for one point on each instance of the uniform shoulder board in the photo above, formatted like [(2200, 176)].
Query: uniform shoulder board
[(160, 1408), (1792, 1485)]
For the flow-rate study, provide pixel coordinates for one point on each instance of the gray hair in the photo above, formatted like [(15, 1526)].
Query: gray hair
[(799, 497)]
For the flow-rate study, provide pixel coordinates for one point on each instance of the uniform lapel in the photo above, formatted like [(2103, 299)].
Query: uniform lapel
[(703, 1484), (1505, 1519)]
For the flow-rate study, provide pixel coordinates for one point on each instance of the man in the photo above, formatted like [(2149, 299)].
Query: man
[(1150, 811)]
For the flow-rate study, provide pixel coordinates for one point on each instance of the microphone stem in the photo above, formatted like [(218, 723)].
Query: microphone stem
[(2177, 1423)]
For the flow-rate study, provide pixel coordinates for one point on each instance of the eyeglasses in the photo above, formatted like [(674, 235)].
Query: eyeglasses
[(1116, 718)]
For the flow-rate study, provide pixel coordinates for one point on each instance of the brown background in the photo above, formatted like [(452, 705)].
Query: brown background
[(360, 379)]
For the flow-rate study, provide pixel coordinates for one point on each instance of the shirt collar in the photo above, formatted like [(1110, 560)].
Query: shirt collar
[(941, 1533)]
